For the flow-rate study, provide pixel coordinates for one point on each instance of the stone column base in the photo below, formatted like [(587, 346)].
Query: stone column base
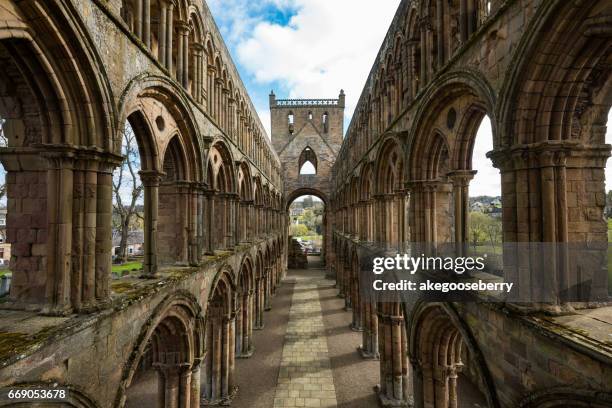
[(355, 328), (366, 355), (224, 402), (246, 354), (385, 401)]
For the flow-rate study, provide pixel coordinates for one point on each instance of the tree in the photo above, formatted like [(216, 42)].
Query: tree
[(3, 143), (478, 223), (126, 186), (298, 230)]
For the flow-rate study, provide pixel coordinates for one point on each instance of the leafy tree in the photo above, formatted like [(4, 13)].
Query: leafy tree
[(127, 186), (298, 230)]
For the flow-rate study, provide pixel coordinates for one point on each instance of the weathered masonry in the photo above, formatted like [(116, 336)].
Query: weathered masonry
[(540, 70), (73, 73), (308, 130)]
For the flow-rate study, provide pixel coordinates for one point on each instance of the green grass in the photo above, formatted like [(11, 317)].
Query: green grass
[(126, 267), (6, 272)]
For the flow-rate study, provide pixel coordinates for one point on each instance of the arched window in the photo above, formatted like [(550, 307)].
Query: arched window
[(308, 161), (290, 118), (309, 115), (325, 120)]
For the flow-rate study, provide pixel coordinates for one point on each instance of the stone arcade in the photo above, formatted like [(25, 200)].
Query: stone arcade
[(74, 72)]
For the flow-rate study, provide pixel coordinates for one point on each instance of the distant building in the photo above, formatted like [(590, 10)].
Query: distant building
[(135, 244), (5, 247)]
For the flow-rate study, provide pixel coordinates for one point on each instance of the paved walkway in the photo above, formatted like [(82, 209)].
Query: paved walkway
[(305, 378)]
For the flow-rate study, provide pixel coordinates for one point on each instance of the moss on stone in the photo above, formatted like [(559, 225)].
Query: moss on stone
[(121, 287), (14, 344)]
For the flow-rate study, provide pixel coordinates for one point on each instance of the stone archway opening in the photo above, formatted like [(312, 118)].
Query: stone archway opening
[(484, 232), (306, 232), (445, 370), (162, 376)]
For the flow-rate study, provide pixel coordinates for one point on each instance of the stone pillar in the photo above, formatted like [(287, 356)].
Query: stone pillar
[(463, 28), (150, 180), (267, 289), (259, 299), (163, 26), (103, 228), (146, 33), (195, 383), (211, 222), (369, 346), (180, 50), (59, 214), (169, 32), (440, 32), (139, 19), (192, 222), (393, 387), (461, 180), (185, 34), (471, 17)]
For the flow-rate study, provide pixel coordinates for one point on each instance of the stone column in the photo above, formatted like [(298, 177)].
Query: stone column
[(267, 289), (461, 180), (103, 208), (471, 17), (163, 26), (369, 346), (146, 33), (392, 390), (211, 222), (139, 19), (186, 58), (259, 323), (169, 32), (440, 32), (195, 384), (192, 223), (59, 242), (150, 179), (463, 29), (180, 59)]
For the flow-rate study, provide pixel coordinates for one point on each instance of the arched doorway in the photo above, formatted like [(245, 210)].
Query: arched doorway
[(307, 229)]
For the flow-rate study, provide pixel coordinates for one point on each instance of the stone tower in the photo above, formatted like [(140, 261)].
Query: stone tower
[(308, 130)]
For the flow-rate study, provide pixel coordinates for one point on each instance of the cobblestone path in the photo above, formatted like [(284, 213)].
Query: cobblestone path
[(305, 378)]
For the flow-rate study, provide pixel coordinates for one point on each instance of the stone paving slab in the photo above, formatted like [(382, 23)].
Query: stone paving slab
[(305, 377)]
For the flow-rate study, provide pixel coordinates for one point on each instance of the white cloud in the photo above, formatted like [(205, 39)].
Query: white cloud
[(327, 45)]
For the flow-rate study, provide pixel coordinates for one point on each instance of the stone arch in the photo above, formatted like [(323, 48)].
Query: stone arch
[(73, 99), (245, 308), (222, 176), (436, 336), (292, 196), (561, 397), (58, 120), (440, 152), (540, 110), (220, 343), (245, 195), (175, 217), (366, 195), (554, 125), (184, 314), (174, 100), (390, 181), (307, 155), (259, 289)]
